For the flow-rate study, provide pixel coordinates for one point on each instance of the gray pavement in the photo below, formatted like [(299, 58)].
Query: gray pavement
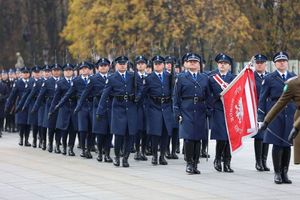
[(27, 173)]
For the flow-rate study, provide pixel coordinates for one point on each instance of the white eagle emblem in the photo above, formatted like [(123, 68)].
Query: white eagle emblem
[(239, 110)]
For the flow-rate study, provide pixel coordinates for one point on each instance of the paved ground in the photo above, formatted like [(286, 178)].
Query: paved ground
[(27, 173)]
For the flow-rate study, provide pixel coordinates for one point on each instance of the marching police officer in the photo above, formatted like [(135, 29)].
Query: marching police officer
[(30, 101), (49, 121), (170, 62), (85, 114), (190, 93), (100, 129), (10, 116), (279, 129), (159, 113), (66, 119), (218, 127), (141, 137), (32, 118), (260, 148), (19, 88), (126, 91)]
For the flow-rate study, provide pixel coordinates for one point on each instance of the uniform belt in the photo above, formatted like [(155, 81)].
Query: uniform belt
[(195, 99), (161, 100), (124, 97)]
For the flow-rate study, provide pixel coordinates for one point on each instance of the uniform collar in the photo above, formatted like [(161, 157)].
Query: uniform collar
[(280, 73)]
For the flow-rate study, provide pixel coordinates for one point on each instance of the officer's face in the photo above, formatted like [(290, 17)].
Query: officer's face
[(103, 69), (47, 74), (56, 72), (141, 66), (121, 67), (158, 67), (85, 71), (36, 75), (68, 73), (18, 74), (148, 70), (223, 67), (260, 67), (4, 77), (12, 76), (169, 66), (193, 65), (25, 75), (281, 65)]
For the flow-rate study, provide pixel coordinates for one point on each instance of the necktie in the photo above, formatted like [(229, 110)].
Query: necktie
[(142, 76), (194, 76), (223, 77), (160, 77), (85, 80), (283, 76), (123, 76), (262, 76), (69, 81)]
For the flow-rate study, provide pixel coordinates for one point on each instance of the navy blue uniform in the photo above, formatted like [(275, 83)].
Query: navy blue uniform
[(84, 116), (66, 118), (47, 92), (190, 97), (19, 88), (282, 124), (261, 149), (160, 121), (218, 126), (32, 119), (125, 90), (101, 128), (141, 136), (29, 103)]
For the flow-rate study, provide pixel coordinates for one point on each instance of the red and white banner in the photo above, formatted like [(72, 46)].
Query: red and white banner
[(240, 107)]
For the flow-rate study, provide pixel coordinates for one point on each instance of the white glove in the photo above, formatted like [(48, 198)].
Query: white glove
[(259, 124)]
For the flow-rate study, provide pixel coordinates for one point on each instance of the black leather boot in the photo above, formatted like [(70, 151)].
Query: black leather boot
[(227, 159), (155, 156), (258, 147), (219, 151), (125, 160), (100, 157), (197, 147), (71, 152), (82, 154), (57, 149), (277, 163), (64, 151), (21, 139), (44, 145), (88, 154), (34, 143), (285, 165), (143, 154), (50, 147), (27, 144), (265, 156), (189, 151), (117, 158), (107, 157)]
